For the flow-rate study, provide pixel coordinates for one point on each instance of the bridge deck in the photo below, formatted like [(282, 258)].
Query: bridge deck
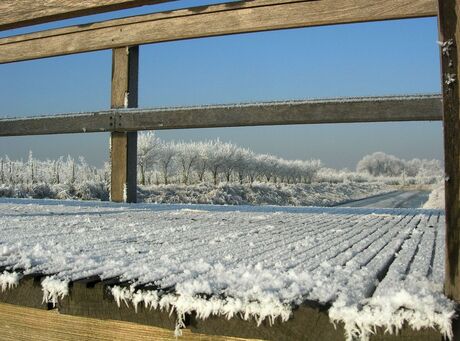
[(364, 268)]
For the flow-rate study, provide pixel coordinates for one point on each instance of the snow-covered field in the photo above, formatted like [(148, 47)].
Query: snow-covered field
[(258, 193), (315, 194), (436, 198), (375, 267)]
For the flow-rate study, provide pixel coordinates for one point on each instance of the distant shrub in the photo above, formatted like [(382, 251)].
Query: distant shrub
[(89, 190), (41, 191), (6, 191)]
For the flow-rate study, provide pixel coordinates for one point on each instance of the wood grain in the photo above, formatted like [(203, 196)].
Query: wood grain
[(381, 109), (24, 324), (123, 145), (19, 13), (449, 24), (240, 17), (28, 293), (58, 124), (20, 323)]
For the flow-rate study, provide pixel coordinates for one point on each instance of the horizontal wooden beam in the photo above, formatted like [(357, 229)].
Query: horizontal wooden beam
[(20, 323), (348, 110), (19, 13), (215, 20)]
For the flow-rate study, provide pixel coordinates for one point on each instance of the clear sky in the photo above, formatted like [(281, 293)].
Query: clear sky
[(383, 58)]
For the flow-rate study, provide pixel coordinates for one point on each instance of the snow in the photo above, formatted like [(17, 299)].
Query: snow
[(315, 194), (373, 267), (436, 198), (9, 280), (53, 289)]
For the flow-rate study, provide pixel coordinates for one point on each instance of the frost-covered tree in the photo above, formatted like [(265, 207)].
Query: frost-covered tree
[(147, 145), (412, 167), (228, 151), (217, 153), (431, 168), (2, 173), (242, 159), (57, 165), (166, 154), (381, 164), (31, 165), (187, 156), (255, 168), (202, 160)]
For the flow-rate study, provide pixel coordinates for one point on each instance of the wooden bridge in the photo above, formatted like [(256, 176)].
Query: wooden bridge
[(124, 36)]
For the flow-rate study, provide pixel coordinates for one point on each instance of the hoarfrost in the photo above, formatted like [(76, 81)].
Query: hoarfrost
[(53, 289), (9, 280), (198, 259)]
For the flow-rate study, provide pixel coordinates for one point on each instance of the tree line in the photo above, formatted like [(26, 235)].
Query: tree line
[(213, 161)]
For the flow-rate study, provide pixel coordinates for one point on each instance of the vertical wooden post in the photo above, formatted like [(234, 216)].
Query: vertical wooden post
[(449, 11), (123, 145)]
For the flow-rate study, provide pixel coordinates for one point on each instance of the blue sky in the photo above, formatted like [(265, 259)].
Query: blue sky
[(383, 58)]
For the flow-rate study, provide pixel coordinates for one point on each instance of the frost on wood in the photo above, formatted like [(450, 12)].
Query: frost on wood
[(9, 280), (199, 296), (410, 292), (374, 267), (54, 289), (230, 106)]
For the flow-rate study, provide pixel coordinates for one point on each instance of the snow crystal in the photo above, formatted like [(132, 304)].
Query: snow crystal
[(54, 288), (9, 280), (373, 267)]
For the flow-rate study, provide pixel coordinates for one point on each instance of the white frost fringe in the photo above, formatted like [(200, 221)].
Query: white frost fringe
[(360, 320), (9, 280), (183, 304), (390, 312), (54, 288)]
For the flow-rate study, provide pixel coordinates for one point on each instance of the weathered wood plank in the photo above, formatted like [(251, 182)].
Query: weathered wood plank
[(449, 24), (14, 13), (352, 110), (309, 321), (21, 324), (58, 124), (309, 112), (233, 18), (123, 145), (28, 293), (89, 298)]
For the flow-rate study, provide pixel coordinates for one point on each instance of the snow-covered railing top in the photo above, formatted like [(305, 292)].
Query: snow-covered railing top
[(341, 110)]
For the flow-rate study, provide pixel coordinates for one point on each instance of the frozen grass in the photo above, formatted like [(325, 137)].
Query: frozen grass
[(437, 198), (375, 267), (316, 194)]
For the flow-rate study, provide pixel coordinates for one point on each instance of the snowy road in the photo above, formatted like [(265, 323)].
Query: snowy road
[(371, 267), (397, 199)]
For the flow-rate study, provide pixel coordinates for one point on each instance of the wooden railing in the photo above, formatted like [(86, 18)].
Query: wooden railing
[(124, 36), (215, 20), (341, 110)]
